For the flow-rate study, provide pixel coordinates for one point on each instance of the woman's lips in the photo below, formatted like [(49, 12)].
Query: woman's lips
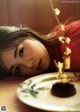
[(39, 64)]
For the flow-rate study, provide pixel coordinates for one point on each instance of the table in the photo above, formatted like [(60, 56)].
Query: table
[(9, 98)]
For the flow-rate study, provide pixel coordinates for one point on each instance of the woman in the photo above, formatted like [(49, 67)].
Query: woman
[(25, 52)]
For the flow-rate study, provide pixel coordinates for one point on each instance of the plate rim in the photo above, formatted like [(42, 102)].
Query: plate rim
[(34, 77)]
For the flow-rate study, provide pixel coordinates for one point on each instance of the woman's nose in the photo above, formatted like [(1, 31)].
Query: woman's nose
[(28, 64)]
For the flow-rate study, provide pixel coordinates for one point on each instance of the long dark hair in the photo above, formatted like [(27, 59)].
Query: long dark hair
[(11, 36)]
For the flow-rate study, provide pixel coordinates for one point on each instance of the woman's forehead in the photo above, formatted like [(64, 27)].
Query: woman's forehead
[(7, 58)]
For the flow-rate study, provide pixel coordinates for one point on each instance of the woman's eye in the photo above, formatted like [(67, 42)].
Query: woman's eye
[(21, 52), (17, 70)]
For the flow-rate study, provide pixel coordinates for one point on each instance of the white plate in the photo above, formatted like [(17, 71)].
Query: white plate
[(36, 92)]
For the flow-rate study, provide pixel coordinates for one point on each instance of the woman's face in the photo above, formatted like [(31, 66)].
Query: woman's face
[(29, 58)]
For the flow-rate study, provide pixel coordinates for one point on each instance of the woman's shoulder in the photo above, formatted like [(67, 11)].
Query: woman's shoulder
[(73, 23)]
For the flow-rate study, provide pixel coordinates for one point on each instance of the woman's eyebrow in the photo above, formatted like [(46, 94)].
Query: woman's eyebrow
[(11, 69), (15, 52)]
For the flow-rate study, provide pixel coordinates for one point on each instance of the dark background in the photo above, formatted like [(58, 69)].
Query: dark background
[(37, 14)]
